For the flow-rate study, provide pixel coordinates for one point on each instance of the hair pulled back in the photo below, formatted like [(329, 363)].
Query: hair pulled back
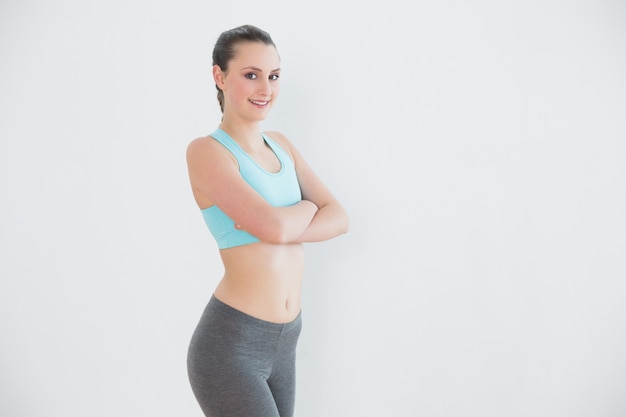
[(224, 49)]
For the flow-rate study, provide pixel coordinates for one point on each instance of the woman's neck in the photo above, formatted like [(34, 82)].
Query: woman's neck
[(247, 135)]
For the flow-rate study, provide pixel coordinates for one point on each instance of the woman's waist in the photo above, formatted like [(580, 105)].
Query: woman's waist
[(266, 298), (263, 280), (263, 259)]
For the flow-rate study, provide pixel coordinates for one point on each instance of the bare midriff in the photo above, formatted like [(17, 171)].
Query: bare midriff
[(263, 280)]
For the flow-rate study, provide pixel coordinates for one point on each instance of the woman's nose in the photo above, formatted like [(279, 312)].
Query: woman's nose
[(265, 88)]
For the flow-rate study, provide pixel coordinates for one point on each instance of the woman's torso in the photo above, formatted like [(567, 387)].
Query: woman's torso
[(261, 279)]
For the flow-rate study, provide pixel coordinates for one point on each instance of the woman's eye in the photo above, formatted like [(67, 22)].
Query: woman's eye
[(251, 76), (274, 77)]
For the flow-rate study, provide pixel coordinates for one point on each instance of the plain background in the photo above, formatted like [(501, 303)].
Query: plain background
[(479, 149)]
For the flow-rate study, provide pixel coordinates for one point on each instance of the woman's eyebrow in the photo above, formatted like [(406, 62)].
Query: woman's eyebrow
[(258, 69)]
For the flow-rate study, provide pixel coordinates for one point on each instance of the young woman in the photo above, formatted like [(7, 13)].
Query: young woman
[(261, 201)]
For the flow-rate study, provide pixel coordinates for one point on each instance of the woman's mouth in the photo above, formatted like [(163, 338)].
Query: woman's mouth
[(259, 103)]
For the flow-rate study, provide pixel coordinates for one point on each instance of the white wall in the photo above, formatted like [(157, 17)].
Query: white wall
[(478, 148)]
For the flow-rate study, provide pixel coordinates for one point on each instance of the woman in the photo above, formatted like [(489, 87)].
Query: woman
[(261, 201)]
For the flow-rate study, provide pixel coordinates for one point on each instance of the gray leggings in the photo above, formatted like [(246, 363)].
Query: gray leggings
[(241, 366)]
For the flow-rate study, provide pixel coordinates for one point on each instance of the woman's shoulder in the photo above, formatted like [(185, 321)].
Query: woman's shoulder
[(206, 148), (200, 142), (203, 144), (280, 139)]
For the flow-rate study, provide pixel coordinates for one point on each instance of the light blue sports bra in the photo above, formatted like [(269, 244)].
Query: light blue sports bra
[(279, 189)]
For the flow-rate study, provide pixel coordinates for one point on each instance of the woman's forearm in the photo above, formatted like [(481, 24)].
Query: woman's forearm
[(283, 224), (329, 221), (294, 220)]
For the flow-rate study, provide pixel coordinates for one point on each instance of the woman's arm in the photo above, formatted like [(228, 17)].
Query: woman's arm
[(215, 180), (331, 219)]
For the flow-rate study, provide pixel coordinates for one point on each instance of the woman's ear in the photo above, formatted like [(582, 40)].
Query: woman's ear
[(218, 76)]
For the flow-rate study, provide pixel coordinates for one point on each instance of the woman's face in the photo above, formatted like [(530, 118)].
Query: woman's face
[(251, 84)]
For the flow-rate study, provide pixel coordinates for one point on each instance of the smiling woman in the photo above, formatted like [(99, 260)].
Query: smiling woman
[(261, 201)]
